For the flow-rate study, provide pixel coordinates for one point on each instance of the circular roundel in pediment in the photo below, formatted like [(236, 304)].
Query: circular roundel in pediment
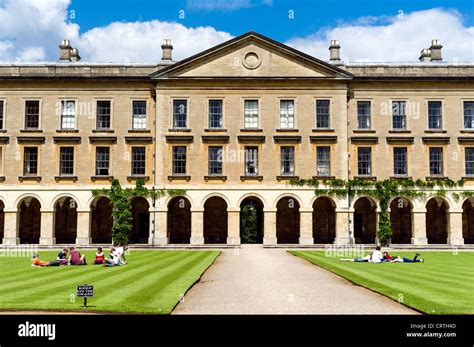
[(251, 60)]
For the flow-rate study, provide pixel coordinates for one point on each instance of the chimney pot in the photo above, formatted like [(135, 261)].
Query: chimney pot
[(75, 57), (334, 52), (65, 50), (425, 55), (167, 49), (436, 50)]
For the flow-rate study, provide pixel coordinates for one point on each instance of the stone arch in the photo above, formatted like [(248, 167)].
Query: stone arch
[(140, 220), (288, 220), (29, 220), (215, 220), (365, 220), (401, 219), (65, 220), (55, 200), (251, 219), (437, 221), (219, 195), (252, 195), (288, 195), (468, 221), (324, 220), (101, 220), (179, 220), (25, 196)]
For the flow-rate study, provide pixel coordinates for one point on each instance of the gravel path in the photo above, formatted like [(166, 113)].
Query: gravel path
[(255, 280)]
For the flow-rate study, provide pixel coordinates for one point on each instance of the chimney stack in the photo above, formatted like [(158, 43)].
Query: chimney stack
[(75, 57), (334, 52), (167, 48), (425, 55), (435, 50), (65, 50)]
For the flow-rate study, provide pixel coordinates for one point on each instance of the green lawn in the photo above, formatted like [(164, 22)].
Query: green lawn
[(444, 284), (151, 282)]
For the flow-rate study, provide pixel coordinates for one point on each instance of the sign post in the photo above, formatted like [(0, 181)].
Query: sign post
[(85, 292)]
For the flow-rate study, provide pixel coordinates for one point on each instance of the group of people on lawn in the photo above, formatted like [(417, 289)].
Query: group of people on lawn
[(72, 256), (378, 257)]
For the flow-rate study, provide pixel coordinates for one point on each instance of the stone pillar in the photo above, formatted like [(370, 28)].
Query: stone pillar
[(455, 237), (10, 236), (233, 226), (269, 228), (419, 228), (83, 237), (160, 237), (47, 229), (306, 227), (344, 227), (197, 226)]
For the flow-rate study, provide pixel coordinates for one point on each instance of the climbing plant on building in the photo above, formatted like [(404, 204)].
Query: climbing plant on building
[(121, 200), (383, 192)]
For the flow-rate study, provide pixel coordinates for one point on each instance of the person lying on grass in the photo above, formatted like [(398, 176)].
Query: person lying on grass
[(75, 257), (375, 257), (37, 262), (397, 259)]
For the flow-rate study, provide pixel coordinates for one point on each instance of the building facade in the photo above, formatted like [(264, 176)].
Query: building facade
[(231, 126)]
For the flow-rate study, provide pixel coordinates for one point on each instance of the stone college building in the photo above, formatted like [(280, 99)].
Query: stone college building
[(231, 126)]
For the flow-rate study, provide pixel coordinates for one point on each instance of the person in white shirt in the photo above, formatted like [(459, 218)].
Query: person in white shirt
[(375, 257)]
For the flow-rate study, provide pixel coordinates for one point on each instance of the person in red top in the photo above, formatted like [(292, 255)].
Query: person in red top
[(99, 256)]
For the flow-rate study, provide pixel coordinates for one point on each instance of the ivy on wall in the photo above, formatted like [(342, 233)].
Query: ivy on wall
[(383, 192), (121, 200)]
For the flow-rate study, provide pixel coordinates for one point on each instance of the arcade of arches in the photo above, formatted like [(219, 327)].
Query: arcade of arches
[(251, 222)]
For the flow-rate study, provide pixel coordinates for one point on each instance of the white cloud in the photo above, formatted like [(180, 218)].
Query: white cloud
[(399, 38)]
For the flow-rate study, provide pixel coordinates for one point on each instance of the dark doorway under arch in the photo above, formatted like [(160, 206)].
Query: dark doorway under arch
[(140, 221), (29, 223), (215, 221), (468, 221), (401, 221), (65, 220), (251, 220), (179, 220), (437, 221), (324, 220), (101, 221), (365, 221), (288, 221)]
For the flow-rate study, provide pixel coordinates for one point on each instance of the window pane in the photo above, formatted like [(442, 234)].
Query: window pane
[(215, 160), (251, 160), (2, 115), (323, 161), (215, 113), (32, 114), (399, 161), (102, 161), (68, 114), (138, 161), (139, 114), (364, 157), (436, 161), (180, 110), (66, 161), (179, 160), (287, 115), (103, 114), (251, 114), (399, 115), (470, 161), (363, 115), (469, 114), (434, 114), (322, 113), (30, 162), (287, 165)]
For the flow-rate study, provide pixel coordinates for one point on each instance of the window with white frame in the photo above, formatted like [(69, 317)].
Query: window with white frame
[(323, 160), (66, 161), (139, 114), (434, 115), (251, 161), (32, 114), (470, 161), (364, 161), (68, 114), (436, 161), (287, 114), (30, 161), (322, 114), (179, 160), (2, 115), (363, 115), (138, 161), (399, 118), (180, 113), (215, 160), (102, 161), (215, 114), (399, 161), (287, 161), (251, 114), (468, 114), (103, 114)]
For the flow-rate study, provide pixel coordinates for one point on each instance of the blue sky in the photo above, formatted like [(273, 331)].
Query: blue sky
[(132, 31)]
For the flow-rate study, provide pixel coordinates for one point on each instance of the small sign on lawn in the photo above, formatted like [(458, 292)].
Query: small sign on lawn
[(85, 292)]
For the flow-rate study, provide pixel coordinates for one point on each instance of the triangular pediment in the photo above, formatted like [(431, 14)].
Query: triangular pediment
[(252, 55)]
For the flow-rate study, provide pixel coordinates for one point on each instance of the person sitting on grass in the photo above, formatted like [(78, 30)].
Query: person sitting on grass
[(37, 262), (121, 251), (375, 257), (75, 257), (62, 257), (114, 259), (99, 257)]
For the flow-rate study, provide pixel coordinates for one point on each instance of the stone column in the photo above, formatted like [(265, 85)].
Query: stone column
[(160, 238), (455, 237), (306, 227), (344, 227), (233, 226), (269, 229), (83, 237), (419, 228), (47, 229), (10, 236), (197, 226)]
